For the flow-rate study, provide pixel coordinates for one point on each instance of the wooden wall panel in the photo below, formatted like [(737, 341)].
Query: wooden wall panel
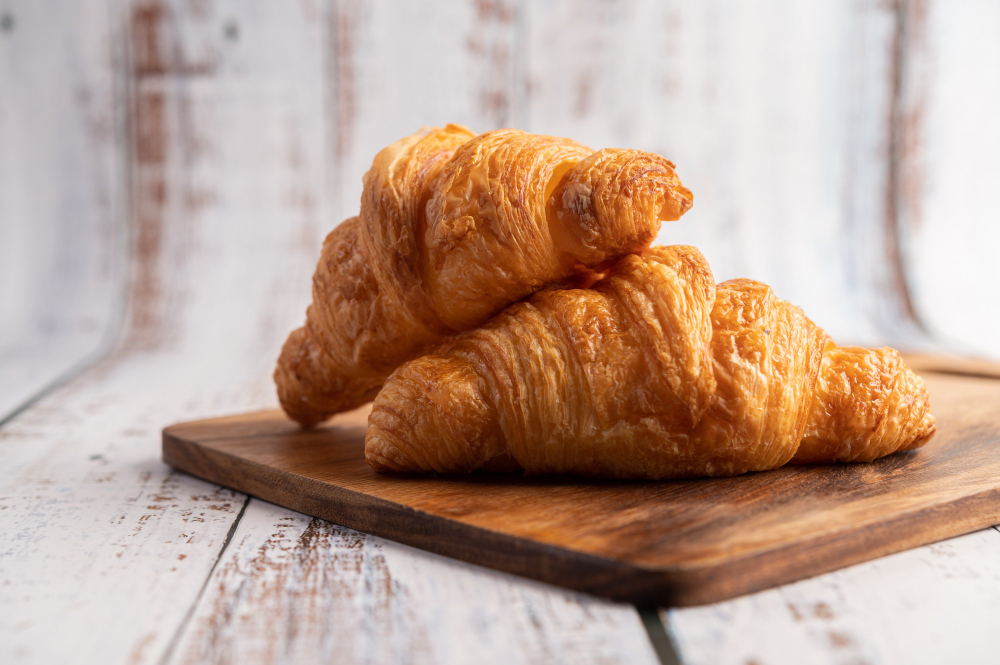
[(395, 67), (948, 211), (228, 169), (776, 114), (61, 224), (102, 542)]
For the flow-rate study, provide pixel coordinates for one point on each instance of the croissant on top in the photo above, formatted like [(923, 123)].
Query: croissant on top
[(654, 372), (454, 227)]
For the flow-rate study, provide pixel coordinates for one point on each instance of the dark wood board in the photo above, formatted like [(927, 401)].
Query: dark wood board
[(670, 543)]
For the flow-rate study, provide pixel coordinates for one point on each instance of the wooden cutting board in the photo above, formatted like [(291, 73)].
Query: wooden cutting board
[(668, 543)]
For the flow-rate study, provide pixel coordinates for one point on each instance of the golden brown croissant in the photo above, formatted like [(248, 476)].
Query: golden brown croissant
[(655, 372), (453, 228)]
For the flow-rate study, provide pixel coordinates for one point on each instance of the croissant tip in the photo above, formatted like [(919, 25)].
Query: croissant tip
[(678, 202), (379, 463), (928, 430)]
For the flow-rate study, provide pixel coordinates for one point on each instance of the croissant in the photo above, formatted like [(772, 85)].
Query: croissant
[(453, 228), (654, 372)]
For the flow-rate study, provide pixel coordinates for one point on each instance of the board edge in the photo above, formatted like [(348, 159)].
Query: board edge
[(671, 586)]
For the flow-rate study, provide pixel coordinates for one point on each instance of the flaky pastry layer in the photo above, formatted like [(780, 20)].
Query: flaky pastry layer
[(453, 228), (654, 372)]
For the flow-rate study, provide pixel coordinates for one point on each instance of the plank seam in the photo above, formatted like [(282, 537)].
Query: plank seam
[(76, 369), (663, 642), (108, 344), (172, 645), (897, 156)]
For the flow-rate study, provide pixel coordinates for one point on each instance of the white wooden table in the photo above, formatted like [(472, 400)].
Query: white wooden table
[(167, 173)]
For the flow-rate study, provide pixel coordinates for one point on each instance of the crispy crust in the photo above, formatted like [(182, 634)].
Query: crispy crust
[(654, 372), (453, 228)]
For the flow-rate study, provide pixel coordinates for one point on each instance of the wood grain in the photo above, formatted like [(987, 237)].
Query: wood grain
[(919, 606), (291, 588), (674, 543)]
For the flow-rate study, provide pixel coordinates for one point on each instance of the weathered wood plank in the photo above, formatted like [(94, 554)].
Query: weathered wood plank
[(935, 604), (228, 175), (102, 542), (60, 201), (296, 589)]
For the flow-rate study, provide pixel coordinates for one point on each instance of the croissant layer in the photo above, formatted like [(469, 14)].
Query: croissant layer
[(654, 372), (453, 228)]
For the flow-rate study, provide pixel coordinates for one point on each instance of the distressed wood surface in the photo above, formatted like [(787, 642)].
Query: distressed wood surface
[(100, 539), (936, 604), (950, 149), (180, 161), (776, 115), (295, 589), (674, 543), (61, 243)]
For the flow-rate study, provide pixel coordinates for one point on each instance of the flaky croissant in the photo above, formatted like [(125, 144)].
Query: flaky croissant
[(654, 372), (453, 228)]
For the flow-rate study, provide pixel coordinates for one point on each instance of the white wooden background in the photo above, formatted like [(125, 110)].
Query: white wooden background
[(168, 170)]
